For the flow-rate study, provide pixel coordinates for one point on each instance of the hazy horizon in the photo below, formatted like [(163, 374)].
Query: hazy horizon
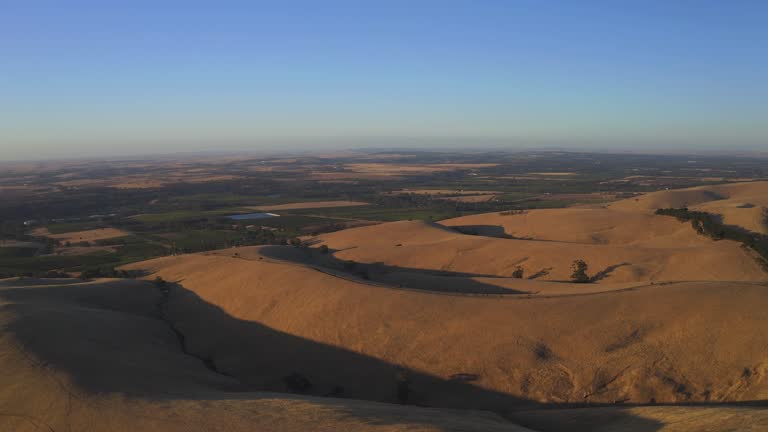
[(90, 79)]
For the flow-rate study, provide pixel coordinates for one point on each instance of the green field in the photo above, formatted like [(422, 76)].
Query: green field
[(42, 264), (185, 215), (16, 252)]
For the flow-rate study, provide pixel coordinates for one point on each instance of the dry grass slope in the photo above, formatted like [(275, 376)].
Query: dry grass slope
[(626, 253), (687, 341), (739, 204), (93, 356)]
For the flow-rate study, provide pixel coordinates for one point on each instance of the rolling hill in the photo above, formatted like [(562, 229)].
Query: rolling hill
[(412, 326)]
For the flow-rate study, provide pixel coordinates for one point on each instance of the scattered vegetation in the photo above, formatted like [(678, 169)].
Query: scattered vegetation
[(512, 212)]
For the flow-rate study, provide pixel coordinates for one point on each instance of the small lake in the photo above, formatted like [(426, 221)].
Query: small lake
[(249, 216)]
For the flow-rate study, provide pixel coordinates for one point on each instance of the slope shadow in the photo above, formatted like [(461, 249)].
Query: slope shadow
[(541, 273), (602, 274), (495, 231), (394, 276), (168, 344)]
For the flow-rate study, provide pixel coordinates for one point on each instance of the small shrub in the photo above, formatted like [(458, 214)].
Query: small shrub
[(579, 274), (542, 351), (518, 273)]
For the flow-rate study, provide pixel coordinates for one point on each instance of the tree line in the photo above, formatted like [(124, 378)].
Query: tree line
[(711, 226)]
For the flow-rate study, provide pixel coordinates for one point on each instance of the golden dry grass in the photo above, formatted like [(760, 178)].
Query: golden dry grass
[(83, 250), (669, 342), (667, 251), (589, 226), (739, 204), (92, 356), (717, 418), (80, 236)]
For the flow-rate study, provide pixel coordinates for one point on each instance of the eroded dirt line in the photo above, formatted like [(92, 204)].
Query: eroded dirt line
[(165, 289)]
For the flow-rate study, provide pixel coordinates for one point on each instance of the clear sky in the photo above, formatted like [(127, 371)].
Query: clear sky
[(114, 77)]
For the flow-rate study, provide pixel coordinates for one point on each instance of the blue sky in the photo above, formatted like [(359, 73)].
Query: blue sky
[(110, 77)]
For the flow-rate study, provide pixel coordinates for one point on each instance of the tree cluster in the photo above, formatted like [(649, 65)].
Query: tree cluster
[(709, 225)]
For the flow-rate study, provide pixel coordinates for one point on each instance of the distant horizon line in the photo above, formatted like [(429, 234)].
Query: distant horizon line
[(182, 154)]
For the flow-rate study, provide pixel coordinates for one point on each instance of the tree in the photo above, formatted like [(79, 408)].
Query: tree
[(518, 273), (579, 274)]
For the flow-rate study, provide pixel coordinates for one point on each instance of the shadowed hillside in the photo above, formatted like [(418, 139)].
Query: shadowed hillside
[(688, 341), (100, 356), (131, 372)]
